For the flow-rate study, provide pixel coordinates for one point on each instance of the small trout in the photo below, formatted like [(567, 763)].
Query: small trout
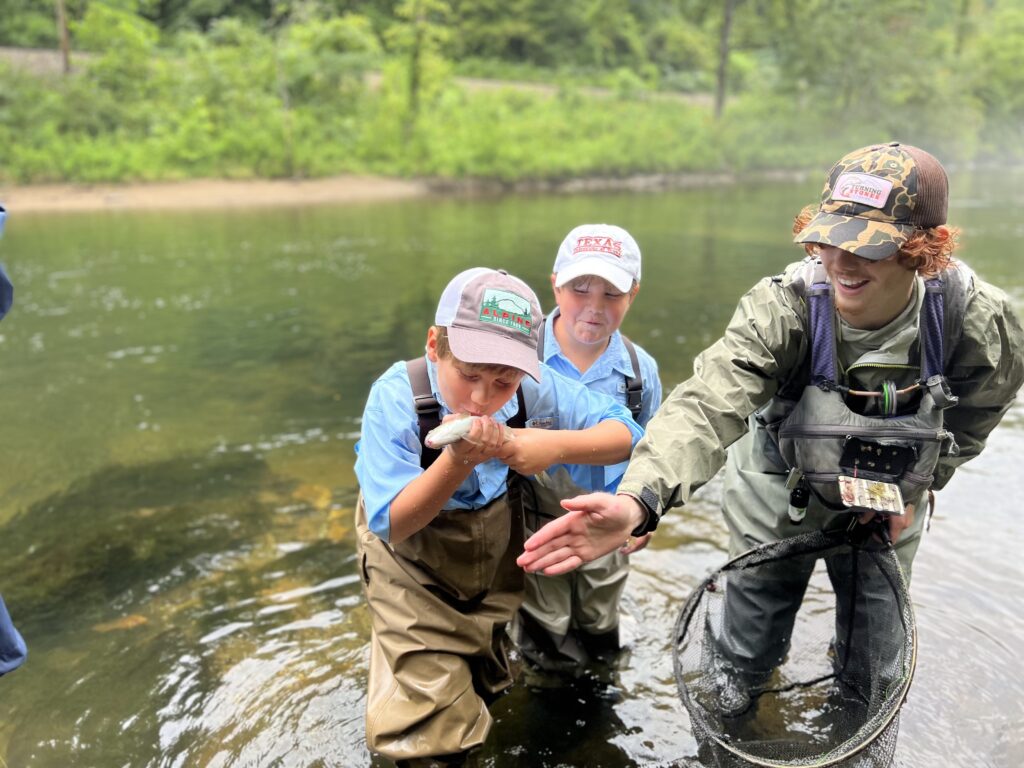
[(454, 430)]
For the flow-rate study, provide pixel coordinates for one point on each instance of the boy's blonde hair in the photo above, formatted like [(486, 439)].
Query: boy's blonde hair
[(444, 351)]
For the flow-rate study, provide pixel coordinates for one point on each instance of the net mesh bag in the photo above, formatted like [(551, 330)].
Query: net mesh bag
[(799, 653)]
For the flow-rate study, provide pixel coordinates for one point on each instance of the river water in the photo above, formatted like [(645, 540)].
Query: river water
[(180, 395)]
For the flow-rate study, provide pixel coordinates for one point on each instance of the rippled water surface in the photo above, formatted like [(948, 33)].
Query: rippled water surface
[(180, 394)]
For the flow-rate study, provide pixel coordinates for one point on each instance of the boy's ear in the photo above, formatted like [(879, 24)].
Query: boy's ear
[(432, 344), (633, 292), (553, 278)]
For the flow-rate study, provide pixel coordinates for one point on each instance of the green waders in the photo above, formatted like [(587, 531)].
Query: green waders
[(568, 620)]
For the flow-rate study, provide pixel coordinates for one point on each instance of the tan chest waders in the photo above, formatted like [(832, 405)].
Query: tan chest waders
[(439, 603)]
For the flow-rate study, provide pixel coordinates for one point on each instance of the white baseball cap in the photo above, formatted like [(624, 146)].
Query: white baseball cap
[(604, 250), (492, 318)]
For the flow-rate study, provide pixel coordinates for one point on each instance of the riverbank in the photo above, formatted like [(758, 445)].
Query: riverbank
[(198, 194), (206, 193)]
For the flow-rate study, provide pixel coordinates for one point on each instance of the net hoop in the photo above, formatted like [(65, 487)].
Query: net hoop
[(682, 625)]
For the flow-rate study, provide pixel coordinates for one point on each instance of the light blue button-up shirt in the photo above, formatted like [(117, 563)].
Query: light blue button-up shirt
[(388, 451)]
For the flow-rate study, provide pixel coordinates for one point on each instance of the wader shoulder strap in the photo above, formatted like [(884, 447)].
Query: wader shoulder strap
[(932, 324), (958, 280), (428, 410), (942, 318), (824, 367), (634, 383)]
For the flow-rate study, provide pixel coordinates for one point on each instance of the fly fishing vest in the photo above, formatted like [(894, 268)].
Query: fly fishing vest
[(428, 410), (634, 383), (820, 438)]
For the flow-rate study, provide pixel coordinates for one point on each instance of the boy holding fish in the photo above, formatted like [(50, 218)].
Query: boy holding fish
[(566, 621), (439, 528)]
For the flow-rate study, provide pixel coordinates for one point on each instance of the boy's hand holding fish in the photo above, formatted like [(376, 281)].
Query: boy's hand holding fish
[(473, 439), (470, 439)]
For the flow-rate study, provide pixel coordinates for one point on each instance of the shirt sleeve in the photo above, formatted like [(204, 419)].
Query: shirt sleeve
[(388, 451), (985, 372), (567, 404), (686, 440)]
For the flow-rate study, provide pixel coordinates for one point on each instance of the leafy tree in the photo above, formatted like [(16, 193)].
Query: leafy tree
[(32, 23), (995, 63), (419, 38), (612, 37)]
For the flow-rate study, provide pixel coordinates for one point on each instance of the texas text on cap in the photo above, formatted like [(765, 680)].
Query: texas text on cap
[(492, 318), (876, 197), (603, 250)]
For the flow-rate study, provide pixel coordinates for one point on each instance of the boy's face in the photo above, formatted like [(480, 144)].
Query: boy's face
[(469, 388), (592, 307)]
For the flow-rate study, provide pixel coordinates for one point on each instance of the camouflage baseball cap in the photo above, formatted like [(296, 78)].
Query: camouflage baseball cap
[(876, 197)]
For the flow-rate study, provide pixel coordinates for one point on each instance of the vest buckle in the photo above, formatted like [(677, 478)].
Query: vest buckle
[(938, 388)]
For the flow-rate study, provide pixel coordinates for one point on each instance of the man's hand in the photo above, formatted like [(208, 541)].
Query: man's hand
[(897, 523), (596, 524)]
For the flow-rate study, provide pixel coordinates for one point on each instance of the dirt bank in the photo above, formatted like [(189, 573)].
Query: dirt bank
[(207, 193), (213, 193)]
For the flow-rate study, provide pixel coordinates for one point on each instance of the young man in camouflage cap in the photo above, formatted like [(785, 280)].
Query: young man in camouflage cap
[(878, 233)]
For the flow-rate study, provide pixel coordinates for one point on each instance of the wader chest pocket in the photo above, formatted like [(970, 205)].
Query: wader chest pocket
[(874, 460)]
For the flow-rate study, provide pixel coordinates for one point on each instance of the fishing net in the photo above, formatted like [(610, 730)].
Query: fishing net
[(826, 692)]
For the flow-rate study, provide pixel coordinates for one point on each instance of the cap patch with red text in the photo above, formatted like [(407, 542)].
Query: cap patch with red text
[(862, 188), (506, 309), (598, 244)]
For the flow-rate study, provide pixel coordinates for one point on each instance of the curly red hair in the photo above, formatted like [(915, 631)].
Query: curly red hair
[(927, 251)]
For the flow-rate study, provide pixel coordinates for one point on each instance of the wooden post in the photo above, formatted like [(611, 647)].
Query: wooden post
[(62, 36), (723, 57)]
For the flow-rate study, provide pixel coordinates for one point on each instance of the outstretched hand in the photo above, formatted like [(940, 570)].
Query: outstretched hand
[(596, 524)]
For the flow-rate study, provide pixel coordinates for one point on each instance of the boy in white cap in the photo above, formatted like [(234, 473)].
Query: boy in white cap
[(439, 530), (569, 620)]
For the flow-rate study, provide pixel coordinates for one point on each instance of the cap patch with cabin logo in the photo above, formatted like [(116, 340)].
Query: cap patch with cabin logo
[(862, 188), (506, 309)]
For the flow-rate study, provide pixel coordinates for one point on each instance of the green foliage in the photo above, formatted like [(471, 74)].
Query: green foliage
[(995, 71), (267, 88), (677, 45), (125, 43)]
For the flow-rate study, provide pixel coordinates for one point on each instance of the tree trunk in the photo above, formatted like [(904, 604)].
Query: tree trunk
[(962, 25), (62, 36), (723, 57)]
